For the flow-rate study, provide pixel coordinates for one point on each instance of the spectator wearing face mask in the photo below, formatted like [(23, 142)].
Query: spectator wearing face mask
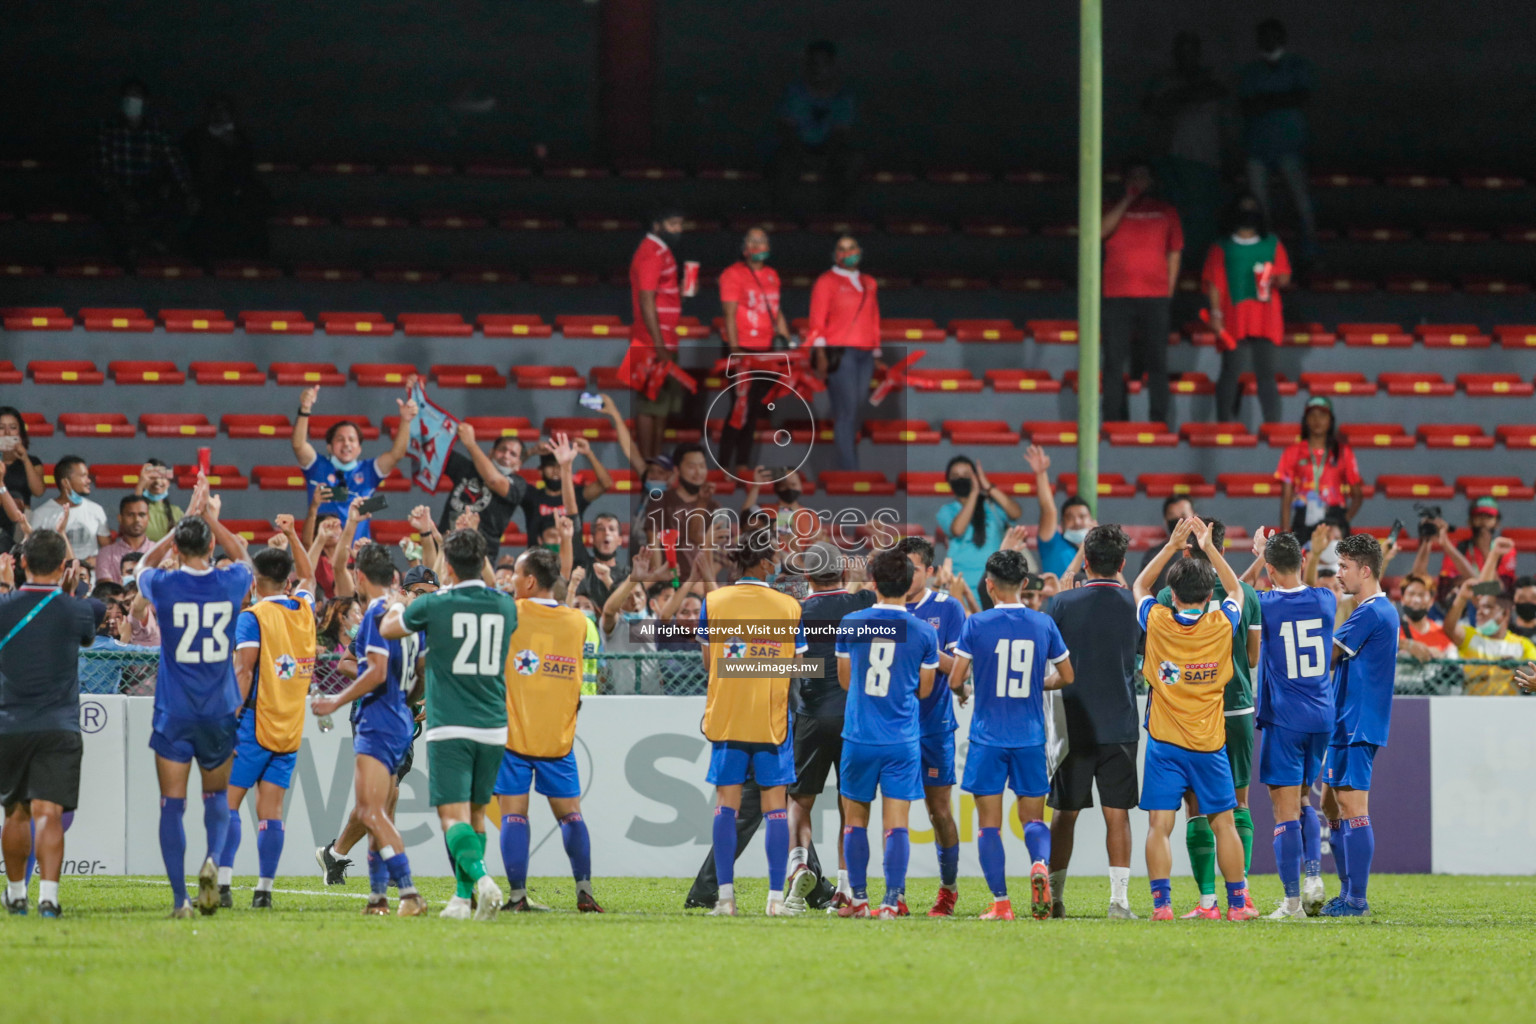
[(233, 204), (786, 510), (1274, 91), (753, 318), (1487, 639), (545, 500), (1524, 621), (1483, 516), (1423, 638), (143, 187), (1058, 547), (845, 327), (342, 466), (154, 486), (815, 117), (1242, 278), (686, 509), (975, 522), (490, 486), (72, 512)]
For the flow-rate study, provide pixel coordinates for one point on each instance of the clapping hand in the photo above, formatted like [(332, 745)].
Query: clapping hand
[(1016, 539), (467, 521), (563, 450), (1261, 539)]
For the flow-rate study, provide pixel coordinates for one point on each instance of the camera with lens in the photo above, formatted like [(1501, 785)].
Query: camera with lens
[(1428, 514)]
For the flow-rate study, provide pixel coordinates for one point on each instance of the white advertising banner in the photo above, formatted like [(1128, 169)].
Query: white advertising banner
[(1482, 763), (96, 843)]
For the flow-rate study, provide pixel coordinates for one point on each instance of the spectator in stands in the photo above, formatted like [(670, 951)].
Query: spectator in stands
[(976, 521), (1143, 243), (154, 486), (72, 512), (490, 485), (606, 561), (1318, 474), (1274, 90), (687, 507), (339, 621), (148, 630), (1422, 638), (543, 501), (845, 325), (1524, 621), (23, 470), (132, 524), (815, 117), (656, 305), (143, 189), (1242, 277), (342, 468), (753, 319), (627, 622), (233, 203), (1487, 639), (1175, 508), (1483, 517), (1186, 102), (1060, 536)]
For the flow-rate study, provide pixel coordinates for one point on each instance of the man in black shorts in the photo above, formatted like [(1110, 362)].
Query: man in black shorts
[(1098, 622), (41, 632)]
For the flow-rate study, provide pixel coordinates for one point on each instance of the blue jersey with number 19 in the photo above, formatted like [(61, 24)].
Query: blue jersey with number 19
[(1296, 643), (196, 611), (887, 649), (1010, 647)]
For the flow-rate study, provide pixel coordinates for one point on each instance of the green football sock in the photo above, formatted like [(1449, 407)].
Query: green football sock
[(1201, 843), (462, 888), (464, 846), (1244, 819), (481, 837)]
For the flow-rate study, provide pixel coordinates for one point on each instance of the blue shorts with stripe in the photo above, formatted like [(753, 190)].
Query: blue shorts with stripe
[(255, 763), (1290, 758), (550, 776), (1170, 771), (892, 768), (939, 758), (386, 746), (1022, 769), (211, 741), (1350, 767), (732, 763)]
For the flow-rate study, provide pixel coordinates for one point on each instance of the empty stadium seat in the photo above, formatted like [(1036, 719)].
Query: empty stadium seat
[(264, 321), (1248, 384), (243, 425), (855, 481), (1398, 485), (593, 428), (1376, 435), (900, 432), (308, 374), (471, 376), (145, 371), (64, 371), (196, 321), (691, 327), (1494, 385), (1338, 383), (96, 424), (115, 319), (1133, 385), (176, 424), (1505, 488), (1053, 332), (319, 425), (110, 475), (1454, 435), (252, 531), (1191, 383), (1014, 483), (1509, 335), (8, 373), (1451, 336), (37, 424), (1313, 335), (435, 325), (1137, 433), (1049, 432), (278, 478), (1217, 435), (37, 318), (1166, 485), (1248, 485), (491, 427), (1111, 485), (606, 378), (923, 484), (985, 330), (910, 329), (229, 373), (932, 379), (1023, 380), (1517, 435), (356, 323), (1410, 384), (382, 375), (390, 531), (566, 378), (591, 326), (513, 325), (964, 432), (1280, 435)]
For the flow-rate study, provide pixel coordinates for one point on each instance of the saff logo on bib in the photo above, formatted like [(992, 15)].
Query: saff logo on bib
[(1169, 673), (286, 666), (735, 649), (526, 663)]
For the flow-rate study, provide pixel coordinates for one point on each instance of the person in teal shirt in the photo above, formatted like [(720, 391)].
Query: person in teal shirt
[(976, 522)]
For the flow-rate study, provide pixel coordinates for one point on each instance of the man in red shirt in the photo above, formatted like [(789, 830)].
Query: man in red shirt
[(1142, 246), (753, 317), (657, 305), (845, 319)]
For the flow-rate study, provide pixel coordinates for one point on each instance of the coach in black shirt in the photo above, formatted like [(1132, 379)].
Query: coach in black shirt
[(1098, 623), (41, 632)]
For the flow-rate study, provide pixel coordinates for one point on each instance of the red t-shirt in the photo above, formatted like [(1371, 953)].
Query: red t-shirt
[(1136, 255), (844, 311), (654, 269), (1307, 471), (1248, 317), (756, 293)]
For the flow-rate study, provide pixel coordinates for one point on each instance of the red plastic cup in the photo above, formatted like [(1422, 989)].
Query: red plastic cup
[(690, 279)]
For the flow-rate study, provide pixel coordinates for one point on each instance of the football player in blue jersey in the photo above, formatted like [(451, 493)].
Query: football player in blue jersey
[(1364, 672), (1014, 655), (1295, 707), (382, 727), (196, 697), (946, 615), (886, 660)]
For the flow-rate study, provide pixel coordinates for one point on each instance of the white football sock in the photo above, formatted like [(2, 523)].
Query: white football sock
[(842, 883), (1119, 882), (727, 892), (48, 892), (798, 857), (226, 875), (15, 890), (775, 896), (1207, 901), (263, 885)]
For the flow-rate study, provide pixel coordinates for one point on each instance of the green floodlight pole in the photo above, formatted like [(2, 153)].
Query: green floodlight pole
[(1090, 187)]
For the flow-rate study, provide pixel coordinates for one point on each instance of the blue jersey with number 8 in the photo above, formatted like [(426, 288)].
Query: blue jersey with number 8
[(1295, 645), (887, 648), (1010, 648), (196, 612)]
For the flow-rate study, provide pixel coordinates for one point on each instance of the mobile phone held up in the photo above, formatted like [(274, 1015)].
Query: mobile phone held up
[(590, 401), (1397, 531), (376, 503)]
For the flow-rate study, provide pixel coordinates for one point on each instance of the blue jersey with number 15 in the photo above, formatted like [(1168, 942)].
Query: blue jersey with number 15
[(197, 612), (1296, 642), (1010, 648)]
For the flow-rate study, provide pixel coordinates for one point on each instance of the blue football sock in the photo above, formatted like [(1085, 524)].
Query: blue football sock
[(269, 846), (898, 853), (856, 855), (949, 865), (378, 875), (1288, 857), (1311, 841), (1336, 830), (398, 868), (514, 850), (1361, 840), (216, 821), (173, 846), (231, 841), (1037, 839), (1237, 893), (1162, 892), (578, 845), (989, 847), (725, 845), (777, 846)]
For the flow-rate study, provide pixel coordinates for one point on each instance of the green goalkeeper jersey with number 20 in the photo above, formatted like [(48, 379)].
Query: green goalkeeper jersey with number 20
[(467, 628)]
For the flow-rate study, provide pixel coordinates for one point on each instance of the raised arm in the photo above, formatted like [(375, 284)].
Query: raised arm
[(386, 463), (1229, 582), (626, 439), (601, 481), (1455, 625), (233, 544), (565, 526), (1040, 462), (491, 473), (1501, 546), (564, 452), (345, 586), (303, 451), (302, 564), (1150, 572)]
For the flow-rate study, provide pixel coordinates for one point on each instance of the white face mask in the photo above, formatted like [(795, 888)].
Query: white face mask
[(1274, 55), (1074, 537), (133, 107)]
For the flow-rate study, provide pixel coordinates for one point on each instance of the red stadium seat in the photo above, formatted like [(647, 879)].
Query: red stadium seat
[(519, 220), (593, 428), (1418, 284), (513, 325), (920, 226), (484, 275), (724, 483), (246, 270), (230, 373), (1314, 335), (356, 323), (96, 424), (1280, 435), (1166, 485), (1378, 234), (1451, 336), (966, 432), (344, 167), (1509, 335), (9, 374), (909, 329), (1339, 283), (398, 483), (1217, 435), (116, 319), (586, 326), (196, 321), (1023, 380), (1133, 386), (626, 482), (474, 376), (985, 330), (252, 531), (1413, 486), (1053, 332), (1486, 284), (1049, 432), (36, 318), (690, 327), (1505, 488), (37, 424), (1111, 485), (64, 371), (1338, 383), (1413, 384), (1494, 385), (566, 378), (391, 531), (88, 269), (382, 375), (1191, 383), (900, 432), (237, 424), (435, 325), (308, 375), (1248, 485), (1523, 536), (420, 170), (377, 220), (1248, 384), (855, 481), (279, 478), (176, 424), (923, 484), (1375, 335), (1517, 435), (1014, 483), (606, 378), (111, 475), (145, 371), (320, 425), (1454, 435), (406, 274), (1137, 433), (1376, 435), (1032, 283), (491, 427), (932, 379), (326, 272), (275, 322)]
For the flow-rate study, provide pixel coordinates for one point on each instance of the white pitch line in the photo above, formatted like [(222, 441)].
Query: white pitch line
[(247, 888)]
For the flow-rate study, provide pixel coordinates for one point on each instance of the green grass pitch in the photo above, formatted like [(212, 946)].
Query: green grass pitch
[(1437, 948)]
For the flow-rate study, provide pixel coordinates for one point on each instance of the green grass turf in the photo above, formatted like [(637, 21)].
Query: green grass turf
[(1436, 948)]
